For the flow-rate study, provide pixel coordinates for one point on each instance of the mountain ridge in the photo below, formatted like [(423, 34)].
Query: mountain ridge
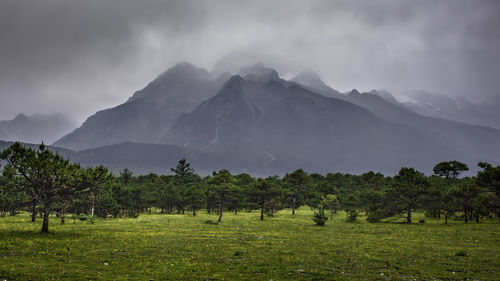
[(258, 122)]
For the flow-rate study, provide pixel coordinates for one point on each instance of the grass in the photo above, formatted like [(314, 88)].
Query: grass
[(286, 247)]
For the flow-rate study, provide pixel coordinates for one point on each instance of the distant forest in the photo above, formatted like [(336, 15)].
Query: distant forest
[(42, 182)]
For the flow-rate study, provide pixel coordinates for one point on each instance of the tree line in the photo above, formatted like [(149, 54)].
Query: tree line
[(42, 182)]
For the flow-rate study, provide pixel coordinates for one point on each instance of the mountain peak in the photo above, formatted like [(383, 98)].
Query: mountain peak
[(385, 95), (20, 116), (259, 72), (186, 68), (307, 77), (311, 79), (172, 83), (234, 79), (354, 92)]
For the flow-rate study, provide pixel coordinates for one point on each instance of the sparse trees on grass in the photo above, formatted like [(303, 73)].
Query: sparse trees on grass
[(45, 176), (408, 191), (262, 193), (296, 186), (223, 185)]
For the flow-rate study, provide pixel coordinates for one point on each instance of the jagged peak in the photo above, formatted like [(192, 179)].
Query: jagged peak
[(354, 92), (307, 76), (20, 116), (186, 68), (234, 81), (181, 73), (259, 72)]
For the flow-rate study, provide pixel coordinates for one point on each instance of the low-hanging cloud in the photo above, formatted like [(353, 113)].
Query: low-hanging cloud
[(77, 57)]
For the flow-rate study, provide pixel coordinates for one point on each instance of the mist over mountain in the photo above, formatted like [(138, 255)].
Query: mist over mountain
[(35, 128), (312, 81), (288, 122), (254, 121), (147, 115), (477, 142), (460, 109)]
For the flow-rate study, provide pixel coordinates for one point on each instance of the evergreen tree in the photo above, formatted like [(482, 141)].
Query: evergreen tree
[(408, 191), (262, 194), (223, 185), (44, 175), (296, 184)]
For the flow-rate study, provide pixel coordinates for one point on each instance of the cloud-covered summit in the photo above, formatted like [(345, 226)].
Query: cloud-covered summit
[(82, 56)]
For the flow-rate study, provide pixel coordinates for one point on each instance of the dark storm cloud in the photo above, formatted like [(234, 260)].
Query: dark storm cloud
[(80, 56)]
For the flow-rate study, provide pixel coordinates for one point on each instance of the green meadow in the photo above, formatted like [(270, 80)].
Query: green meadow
[(285, 247)]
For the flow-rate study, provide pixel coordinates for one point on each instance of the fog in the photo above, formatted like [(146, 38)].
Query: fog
[(77, 57)]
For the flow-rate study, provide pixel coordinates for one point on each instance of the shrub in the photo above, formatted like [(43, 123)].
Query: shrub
[(352, 215), (131, 213), (83, 217), (320, 218)]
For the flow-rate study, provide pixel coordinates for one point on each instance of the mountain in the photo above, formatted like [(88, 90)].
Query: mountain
[(291, 124), (259, 72), (35, 128), (259, 123), (458, 109), (147, 115), (385, 95), (311, 80), (3, 135), (475, 143), (144, 158)]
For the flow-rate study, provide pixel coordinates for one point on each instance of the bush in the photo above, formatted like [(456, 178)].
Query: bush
[(376, 215), (83, 217), (352, 215), (320, 218), (131, 213)]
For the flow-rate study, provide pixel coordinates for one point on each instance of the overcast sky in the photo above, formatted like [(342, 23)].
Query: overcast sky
[(77, 57)]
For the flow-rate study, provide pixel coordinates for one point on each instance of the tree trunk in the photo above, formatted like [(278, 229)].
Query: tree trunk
[(63, 215), (446, 217), (262, 212), (220, 213), (33, 211), (236, 211), (408, 217), (293, 206), (466, 216), (194, 213), (45, 225), (149, 211), (93, 207), (477, 218)]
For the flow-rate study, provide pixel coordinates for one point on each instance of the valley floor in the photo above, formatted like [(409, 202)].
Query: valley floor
[(286, 247)]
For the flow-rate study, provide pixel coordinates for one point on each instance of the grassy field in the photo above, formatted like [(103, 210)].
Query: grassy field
[(286, 247)]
